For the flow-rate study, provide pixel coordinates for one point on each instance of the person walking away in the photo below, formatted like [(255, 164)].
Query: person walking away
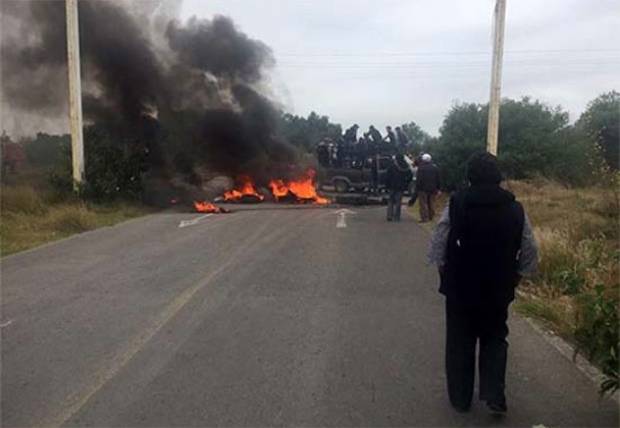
[(426, 187), (397, 181), (483, 244)]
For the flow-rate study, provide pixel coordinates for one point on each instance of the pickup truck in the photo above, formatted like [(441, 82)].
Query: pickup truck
[(356, 178)]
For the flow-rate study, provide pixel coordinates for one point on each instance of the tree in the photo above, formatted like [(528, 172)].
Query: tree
[(418, 138), (601, 124), (307, 132), (45, 150), (534, 139)]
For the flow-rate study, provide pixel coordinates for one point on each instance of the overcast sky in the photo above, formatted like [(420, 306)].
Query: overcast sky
[(393, 61)]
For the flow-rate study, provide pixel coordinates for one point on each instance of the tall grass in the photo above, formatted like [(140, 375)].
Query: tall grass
[(576, 289), (31, 217)]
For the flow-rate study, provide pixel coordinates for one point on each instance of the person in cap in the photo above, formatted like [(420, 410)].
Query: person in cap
[(483, 244), (426, 187)]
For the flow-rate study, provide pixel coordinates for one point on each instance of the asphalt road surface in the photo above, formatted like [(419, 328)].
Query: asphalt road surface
[(270, 317)]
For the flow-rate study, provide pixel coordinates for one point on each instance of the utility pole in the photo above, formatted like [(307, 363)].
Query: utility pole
[(496, 76), (75, 92)]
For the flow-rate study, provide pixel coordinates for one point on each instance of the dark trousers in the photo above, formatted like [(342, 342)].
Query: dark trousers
[(394, 205), (427, 205), (468, 324)]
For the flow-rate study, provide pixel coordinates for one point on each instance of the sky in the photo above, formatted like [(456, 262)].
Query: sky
[(394, 61)]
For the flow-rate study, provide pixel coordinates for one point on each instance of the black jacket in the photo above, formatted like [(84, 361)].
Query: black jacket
[(375, 136), (486, 226), (351, 135), (398, 176), (427, 178)]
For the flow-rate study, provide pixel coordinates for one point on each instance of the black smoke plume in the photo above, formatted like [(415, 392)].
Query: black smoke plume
[(192, 101)]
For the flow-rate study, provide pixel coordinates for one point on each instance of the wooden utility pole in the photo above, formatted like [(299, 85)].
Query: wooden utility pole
[(496, 76), (75, 92)]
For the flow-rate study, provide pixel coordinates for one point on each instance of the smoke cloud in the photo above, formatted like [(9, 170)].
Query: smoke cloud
[(191, 89)]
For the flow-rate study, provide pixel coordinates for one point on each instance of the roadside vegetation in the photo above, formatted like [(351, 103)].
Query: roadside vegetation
[(33, 213), (575, 293)]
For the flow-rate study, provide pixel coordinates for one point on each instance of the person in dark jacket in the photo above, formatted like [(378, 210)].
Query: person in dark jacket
[(390, 136), (375, 139), (426, 187), (350, 136), (403, 139), (397, 181), (482, 245)]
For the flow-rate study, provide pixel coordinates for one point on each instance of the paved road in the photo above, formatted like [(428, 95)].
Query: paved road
[(256, 318)]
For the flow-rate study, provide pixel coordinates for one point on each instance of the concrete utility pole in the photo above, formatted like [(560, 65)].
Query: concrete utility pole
[(75, 92), (496, 76)]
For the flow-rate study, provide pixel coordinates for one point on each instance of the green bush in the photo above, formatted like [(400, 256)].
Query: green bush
[(534, 140), (114, 167), (46, 150), (597, 332)]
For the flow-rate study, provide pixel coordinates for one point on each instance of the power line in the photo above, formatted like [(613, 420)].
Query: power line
[(439, 53)]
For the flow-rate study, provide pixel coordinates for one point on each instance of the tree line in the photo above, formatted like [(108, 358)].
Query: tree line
[(534, 139)]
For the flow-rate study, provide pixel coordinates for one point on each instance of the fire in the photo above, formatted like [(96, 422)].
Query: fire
[(246, 189), (208, 207), (278, 188), (303, 188), (299, 190)]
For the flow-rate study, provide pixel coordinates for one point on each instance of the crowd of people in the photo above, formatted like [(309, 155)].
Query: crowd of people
[(350, 150)]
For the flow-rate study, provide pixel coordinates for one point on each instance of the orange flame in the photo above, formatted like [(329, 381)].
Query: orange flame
[(246, 189), (207, 207), (278, 188), (303, 188)]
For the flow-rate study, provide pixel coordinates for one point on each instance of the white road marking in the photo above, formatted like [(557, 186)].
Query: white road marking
[(342, 217), (6, 324), (193, 221)]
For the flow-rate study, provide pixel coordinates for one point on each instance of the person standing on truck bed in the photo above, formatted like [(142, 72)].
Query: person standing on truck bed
[(426, 187), (350, 136), (391, 136), (397, 180), (361, 151), (403, 140), (375, 139)]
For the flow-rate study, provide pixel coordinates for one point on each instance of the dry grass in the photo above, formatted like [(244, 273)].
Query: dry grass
[(30, 218), (575, 292)]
